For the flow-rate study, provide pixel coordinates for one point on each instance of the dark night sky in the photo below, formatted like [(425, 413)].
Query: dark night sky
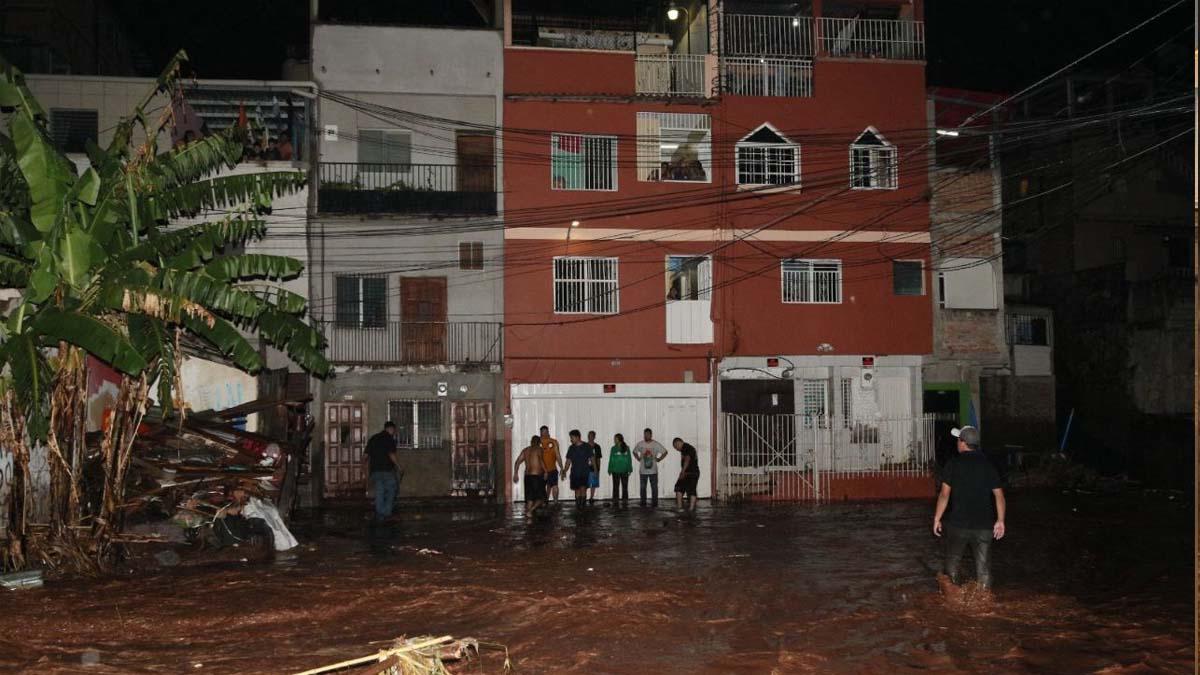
[(998, 46)]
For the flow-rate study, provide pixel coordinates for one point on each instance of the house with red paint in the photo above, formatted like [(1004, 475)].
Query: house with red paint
[(717, 227)]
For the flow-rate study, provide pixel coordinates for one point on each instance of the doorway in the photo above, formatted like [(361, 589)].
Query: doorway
[(471, 472), (944, 402), (345, 441), (423, 320), (476, 155)]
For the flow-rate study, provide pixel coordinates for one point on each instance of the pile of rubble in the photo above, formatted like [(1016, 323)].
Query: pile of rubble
[(204, 483)]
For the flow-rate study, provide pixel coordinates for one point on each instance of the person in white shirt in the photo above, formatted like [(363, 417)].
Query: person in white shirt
[(648, 453)]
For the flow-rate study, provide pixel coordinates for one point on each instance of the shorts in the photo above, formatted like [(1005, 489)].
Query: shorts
[(593, 480), (687, 485), (579, 481), (535, 488), (551, 479)]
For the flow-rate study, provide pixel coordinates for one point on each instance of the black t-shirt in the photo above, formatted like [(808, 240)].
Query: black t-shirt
[(599, 456), (580, 457), (379, 447), (693, 467), (971, 478)]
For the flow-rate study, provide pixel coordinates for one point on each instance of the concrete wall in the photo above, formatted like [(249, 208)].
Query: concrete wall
[(1018, 411)]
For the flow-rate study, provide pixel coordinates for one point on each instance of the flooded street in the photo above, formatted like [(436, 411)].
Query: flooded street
[(1084, 583)]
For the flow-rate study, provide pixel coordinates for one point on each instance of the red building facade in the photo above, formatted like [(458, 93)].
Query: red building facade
[(720, 211)]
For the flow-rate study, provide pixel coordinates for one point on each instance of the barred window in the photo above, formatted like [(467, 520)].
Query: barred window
[(582, 162), (1028, 329), (812, 281), (765, 157), (585, 286), (418, 423), (70, 130), (873, 163), (847, 410), (674, 147), (815, 403), (470, 255), (361, 301)]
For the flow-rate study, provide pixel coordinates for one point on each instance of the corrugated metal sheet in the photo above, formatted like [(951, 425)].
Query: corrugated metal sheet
[(671, 410)]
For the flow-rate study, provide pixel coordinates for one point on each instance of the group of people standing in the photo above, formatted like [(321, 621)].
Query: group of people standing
[(545, 466)]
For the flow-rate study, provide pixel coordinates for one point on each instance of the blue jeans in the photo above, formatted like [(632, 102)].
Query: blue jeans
[(386, 488), (652, 478)]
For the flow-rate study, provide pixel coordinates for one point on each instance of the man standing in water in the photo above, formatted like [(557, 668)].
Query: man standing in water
[(551, 460), (579, 467), (594, 476), (648, 453), (380, 458), (535, 478), (969, 485), (689, 474)]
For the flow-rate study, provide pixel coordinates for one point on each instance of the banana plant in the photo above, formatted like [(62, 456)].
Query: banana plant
[(119, 261)]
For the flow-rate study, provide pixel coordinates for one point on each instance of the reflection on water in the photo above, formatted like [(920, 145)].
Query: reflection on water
[(1083, 584)]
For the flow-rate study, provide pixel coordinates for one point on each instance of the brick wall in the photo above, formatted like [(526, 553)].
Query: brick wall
[(1018, 411)]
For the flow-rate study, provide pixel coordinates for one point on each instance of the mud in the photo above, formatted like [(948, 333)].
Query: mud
[(1083, 584)]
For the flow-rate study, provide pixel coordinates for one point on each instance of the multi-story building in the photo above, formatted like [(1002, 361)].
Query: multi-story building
[(407, 249), (1100, 231), (64, 37), (717, 226)]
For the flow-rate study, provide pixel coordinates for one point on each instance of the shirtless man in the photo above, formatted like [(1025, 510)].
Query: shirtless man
[(535, 479)]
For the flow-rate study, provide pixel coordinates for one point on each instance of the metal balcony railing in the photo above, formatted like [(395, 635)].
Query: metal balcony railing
[(412, 343), (748, 76), (671, 75), (448, 189), (760, 35), (871, 38)]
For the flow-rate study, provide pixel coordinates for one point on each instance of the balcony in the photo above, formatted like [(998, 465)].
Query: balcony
[(748, 76), (409, 343), (434, 189), (857, 38), (758, 35), (672, 75), (277, 112)]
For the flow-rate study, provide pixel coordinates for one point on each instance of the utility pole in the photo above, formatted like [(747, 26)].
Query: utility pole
[(1196, 287)]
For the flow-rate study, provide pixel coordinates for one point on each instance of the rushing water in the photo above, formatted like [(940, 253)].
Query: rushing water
[(1084, 584)]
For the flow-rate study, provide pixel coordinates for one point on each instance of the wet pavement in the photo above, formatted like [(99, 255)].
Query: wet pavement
[(1084, 584)]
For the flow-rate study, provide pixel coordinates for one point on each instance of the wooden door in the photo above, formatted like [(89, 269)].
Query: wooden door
[(423, 319), (345, 441), (476, 162), (471, 446)]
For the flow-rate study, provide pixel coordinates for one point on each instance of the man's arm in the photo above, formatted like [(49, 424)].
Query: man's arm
[(567, 466), (687, 461), (395, 458), (942, 502), (664, 453), (517, 467), (998, 528)]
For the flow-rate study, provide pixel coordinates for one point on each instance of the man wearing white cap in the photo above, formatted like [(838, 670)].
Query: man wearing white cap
[(969, 486)]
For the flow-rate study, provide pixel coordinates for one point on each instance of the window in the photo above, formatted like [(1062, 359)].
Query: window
[(418, 423), (815, 405), (908, 277), (966, 283), (470, 255), (1028, 329), (765, 157), (70, 130), (581, 162), (873, 163), (812, 281), (585, 286), (689, 277), (377, 147), (674, 147), (361, 302), (847, 410)]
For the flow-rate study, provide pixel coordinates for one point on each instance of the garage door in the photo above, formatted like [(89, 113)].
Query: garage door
[(671, 410)]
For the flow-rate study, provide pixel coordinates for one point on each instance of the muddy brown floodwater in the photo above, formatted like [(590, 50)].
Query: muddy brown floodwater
[(1084, 584)]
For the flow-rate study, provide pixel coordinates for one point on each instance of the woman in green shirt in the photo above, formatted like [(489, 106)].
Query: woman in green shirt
[(620, 465)]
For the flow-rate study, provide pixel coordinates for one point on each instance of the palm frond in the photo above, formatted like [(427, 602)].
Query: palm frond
[(253, 266), (197, 244), (232, 344), (255, 190), (91, 335)]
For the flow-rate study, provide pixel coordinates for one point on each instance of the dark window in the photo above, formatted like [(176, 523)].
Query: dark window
[(470, 255), (70, 130), (908, 277), (1026, 329), (418, 423), (361, 302)]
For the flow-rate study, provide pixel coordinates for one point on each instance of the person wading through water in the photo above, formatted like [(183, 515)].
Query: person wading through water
[(579, 467), (535, 475), (969, 486), (551, 461)]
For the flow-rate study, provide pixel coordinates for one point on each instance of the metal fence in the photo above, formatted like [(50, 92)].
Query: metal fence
[(871, 38), (761, 35), (411, 343), (745, 76), (360, 187), (671, 74), (796, 456)]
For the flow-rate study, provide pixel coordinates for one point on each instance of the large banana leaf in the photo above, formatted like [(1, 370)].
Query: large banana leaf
[(225, 192), (30, 381), (153, 339), (195, 245), (90, 334), (222, 335), (194, 161), (254, 266)]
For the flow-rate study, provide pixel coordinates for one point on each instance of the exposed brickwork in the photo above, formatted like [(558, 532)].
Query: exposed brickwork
[(1018, 411)]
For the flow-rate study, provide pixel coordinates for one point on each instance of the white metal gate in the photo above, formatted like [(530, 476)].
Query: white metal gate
[(794, 457)]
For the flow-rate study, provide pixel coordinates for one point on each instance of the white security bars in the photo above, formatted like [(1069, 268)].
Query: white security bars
[(871, 38), (585, 285), (764, 157), (765, 76), (812, 281), (761, 35), (671, 74), (674, 147), (873, 162), (583, 162)]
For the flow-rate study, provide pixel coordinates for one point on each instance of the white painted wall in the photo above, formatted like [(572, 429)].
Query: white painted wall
[(671, 410), (442, 61)]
